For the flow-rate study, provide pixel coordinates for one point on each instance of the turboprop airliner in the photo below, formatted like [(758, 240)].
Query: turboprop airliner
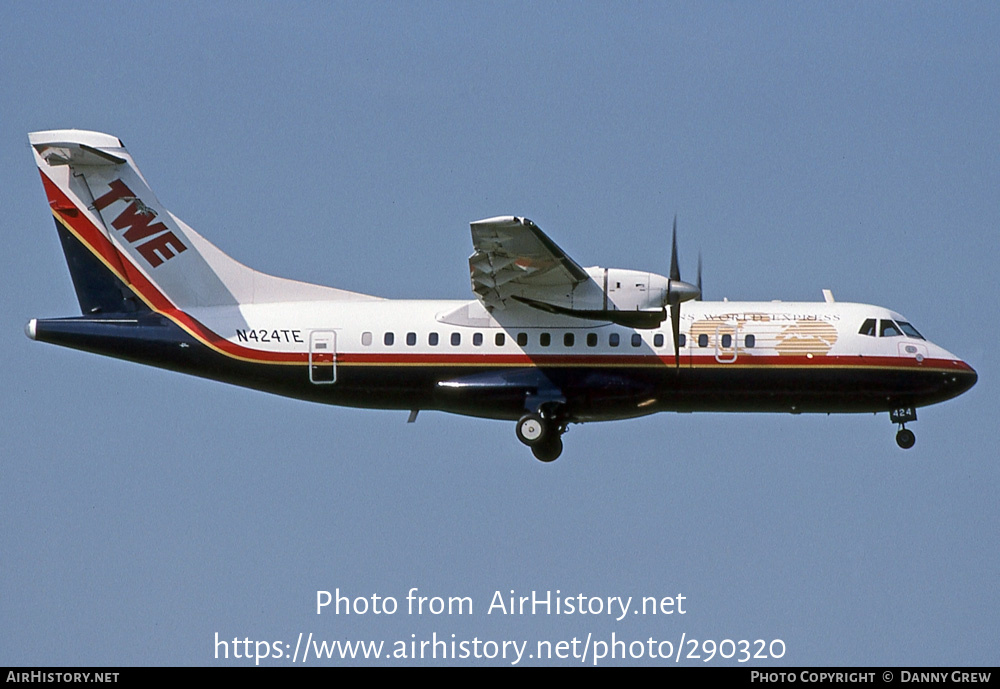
[(544, 343)]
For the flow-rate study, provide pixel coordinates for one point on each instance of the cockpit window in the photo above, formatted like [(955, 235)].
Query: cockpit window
[(889, 329), (910, 330)]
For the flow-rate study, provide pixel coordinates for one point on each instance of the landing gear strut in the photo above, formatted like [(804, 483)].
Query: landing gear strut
[(542, 433), (904, 437)]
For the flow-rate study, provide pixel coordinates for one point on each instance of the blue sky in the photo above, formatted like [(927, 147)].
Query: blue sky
[(849, 146)]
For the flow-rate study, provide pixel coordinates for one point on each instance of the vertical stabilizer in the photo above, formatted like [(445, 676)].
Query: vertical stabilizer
[(126, 251)]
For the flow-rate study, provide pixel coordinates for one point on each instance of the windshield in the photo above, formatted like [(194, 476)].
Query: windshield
[(889, 328), (910, 330)]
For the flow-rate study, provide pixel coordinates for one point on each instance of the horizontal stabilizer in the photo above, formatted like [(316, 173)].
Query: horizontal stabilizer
[(76, 154), (78, 147)]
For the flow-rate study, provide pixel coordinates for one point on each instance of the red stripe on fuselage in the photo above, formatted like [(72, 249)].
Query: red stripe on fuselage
[(761, 361)]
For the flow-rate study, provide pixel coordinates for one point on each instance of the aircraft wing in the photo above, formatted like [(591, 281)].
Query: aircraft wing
[(513, 258)]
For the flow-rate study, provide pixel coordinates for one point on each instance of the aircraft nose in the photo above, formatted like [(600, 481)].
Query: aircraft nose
[(967, 378), (961, 379)]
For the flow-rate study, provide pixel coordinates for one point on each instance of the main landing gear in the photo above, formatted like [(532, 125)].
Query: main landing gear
[(904, 437), (542, 432)]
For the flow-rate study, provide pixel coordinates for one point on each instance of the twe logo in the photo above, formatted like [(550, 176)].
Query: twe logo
[(153, 241)]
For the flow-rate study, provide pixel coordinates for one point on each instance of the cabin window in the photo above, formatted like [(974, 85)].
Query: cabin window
[(868, 328), (477, 339), (545, 339), (591, 339), (411, 339), (613, 339), (366, 339), (682, 340), (456, 339), (703, 340), (658, 340), (910, 330), (522, 339), (432, 339), (499, 339), (636, 339), (749, 341), (727, 341), (388, 339), (889, 329), (568, 340)]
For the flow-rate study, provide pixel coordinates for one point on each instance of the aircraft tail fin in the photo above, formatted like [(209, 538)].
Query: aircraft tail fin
[(126, 252)]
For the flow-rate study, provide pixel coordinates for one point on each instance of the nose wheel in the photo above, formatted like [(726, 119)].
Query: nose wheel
[(542, 434), (905, 438)]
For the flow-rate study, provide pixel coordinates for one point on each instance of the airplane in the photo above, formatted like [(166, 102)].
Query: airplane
[(544, 342)]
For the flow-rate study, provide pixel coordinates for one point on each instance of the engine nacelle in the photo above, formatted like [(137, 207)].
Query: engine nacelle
[(630, 290), (631, 298)]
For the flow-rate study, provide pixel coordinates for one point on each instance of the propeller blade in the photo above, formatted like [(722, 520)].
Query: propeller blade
[(675, 271), (675, 327), (678, 291), (675, 304), (700, 296)]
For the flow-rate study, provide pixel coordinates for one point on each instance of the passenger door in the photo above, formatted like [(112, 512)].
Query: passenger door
[(322, 357)]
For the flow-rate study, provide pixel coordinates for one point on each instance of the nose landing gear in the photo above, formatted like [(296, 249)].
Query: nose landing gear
[(904, 437)]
